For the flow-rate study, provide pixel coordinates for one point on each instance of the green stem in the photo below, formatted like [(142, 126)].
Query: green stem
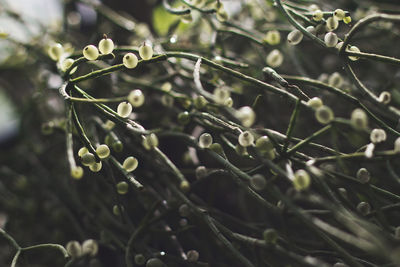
[(363, 22), (308, 139), (290, 129)]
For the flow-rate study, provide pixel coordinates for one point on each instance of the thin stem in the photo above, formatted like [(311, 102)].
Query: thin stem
[(175, 11), (52, 246), (344, 95), (10, 239), (82, 134), (292, 123), (363, 22), (308, 139)]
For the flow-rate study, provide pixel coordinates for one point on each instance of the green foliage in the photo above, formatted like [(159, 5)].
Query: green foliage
[(203, 133)]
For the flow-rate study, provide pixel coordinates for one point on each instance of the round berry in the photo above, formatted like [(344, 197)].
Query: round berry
[(109, 125), (324, 115), (117, 146), (246, 139), (331, 24), (217, 148), (55, 51), (88, 159), (90, 52), (335, 79), (377, 136), (312, 30), (228, 102), (82, 151), (66, 64), (166, 87), (264, 144), (167, 100), (184, 210), (339, 14), (364, 208), (150, 141), (205, 140), (397, 145), (106, 46), (317, 15), (154, 262), (77, 172), (347, 19), (145, 51), (397, 232), (331, 39), (201, 171), (130, 60), (313, 7), (353, 49), (315, 102), (122, 188), (200, 102), (74, 249), (359, 119), (103, 151), (124, 109), (184, 118), (90, 247), (246, 115), (274, 58), (117, 210), (273, 37), (184, 186), (130, 164), (270, 236), (301, 180), (221, 94), (96, 167), (136, 98), (140, 259), (363, 175), (192, 255), (294, 37), (258, 182)]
